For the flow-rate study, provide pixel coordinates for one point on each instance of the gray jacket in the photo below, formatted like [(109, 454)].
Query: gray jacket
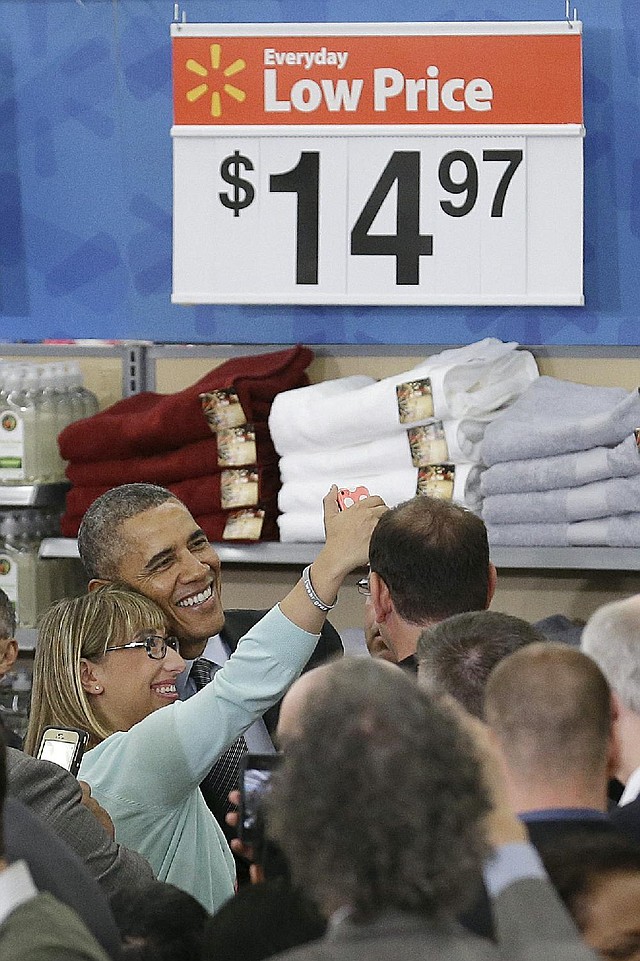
[(55, 796)]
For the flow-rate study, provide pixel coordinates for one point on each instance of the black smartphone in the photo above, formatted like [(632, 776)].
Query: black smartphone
[(255, 782), (64, 746)]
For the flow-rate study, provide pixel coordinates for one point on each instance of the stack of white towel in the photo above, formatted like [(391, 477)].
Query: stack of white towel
[(388, 435), (564, 468)]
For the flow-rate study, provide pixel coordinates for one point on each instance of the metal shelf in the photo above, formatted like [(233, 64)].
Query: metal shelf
[(58, 547), (567, 558), (515, 558), (34, 495)]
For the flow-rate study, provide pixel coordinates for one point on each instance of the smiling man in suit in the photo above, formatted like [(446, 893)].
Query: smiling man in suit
[(143, 536)]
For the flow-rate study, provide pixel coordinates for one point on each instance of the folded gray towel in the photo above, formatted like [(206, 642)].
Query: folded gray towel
[(617, 495), (557, 417), (622, 531), (563, 470)]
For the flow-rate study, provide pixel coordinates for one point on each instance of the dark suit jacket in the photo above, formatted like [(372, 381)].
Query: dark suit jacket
[(547, 833), (236, 625), (627, 819), (55, 868)]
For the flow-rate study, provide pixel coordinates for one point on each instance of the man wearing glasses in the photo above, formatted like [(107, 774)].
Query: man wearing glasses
[(428, 559)]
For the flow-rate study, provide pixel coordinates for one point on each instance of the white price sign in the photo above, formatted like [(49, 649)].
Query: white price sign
[(431, 204)]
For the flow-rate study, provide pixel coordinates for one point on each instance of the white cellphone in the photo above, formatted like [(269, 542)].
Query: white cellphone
[(64, 746)]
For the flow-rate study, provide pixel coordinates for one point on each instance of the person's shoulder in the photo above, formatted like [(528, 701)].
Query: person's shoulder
[(627, 819), (238, 621), (45, 927), (35, 781)]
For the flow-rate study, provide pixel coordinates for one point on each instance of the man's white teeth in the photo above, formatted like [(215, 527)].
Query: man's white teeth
[(166, 689), (196, 598)]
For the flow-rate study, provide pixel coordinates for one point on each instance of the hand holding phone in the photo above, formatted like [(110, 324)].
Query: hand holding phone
[(348, 496), (64, 746), (255, 783)]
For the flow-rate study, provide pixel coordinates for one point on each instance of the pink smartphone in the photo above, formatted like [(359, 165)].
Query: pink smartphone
[(348, 496)]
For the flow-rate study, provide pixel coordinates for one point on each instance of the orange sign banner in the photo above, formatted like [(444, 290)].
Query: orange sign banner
[(377, 80)]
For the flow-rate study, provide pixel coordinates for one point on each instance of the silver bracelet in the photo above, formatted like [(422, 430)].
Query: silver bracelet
[(313, 597)]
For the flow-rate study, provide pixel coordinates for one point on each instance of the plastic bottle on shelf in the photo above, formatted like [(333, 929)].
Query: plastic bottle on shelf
[(65, 408), (90, 405), (18, 569), (52, 465), (76, 401), (19, 425)]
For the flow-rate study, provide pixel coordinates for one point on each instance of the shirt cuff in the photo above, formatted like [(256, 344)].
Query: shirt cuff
[(510, 863)]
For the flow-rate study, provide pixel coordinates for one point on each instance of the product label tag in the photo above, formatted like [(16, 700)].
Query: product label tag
[(428, 444), (11, 446), (237, 446), (222, 408), (244, 525), (239, 488), (415, 400), (9, 577), (436, 480)]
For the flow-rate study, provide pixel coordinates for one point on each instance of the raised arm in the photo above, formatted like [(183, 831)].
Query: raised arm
[(266, 662), (348, 534)]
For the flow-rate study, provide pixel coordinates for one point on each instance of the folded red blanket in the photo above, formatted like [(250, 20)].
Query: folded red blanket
[(221, 490), (150, 423), (236, 446), (245, 524)]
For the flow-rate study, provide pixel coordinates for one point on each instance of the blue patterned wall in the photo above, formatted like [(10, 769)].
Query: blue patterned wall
[(85, 180)]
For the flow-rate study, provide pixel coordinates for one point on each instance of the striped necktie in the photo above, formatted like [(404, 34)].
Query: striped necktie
[(224, 775)]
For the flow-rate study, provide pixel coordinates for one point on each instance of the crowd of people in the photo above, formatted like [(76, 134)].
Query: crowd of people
[(471, 789)]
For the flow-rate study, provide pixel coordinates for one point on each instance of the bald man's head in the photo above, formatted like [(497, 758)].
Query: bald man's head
[(550, 707), (302, 693)]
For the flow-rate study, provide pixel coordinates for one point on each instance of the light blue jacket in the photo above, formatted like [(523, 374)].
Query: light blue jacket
[(147, 778)]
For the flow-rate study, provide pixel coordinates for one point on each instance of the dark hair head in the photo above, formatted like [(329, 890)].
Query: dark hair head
[(379, 801), (577, 863), (260, 921), (457, 655), (7, 616), (434, 558), (98, 543), (159, 922), (550, 705)]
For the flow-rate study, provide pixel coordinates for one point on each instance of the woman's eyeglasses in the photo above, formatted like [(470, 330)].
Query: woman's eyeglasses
[(155, 645)]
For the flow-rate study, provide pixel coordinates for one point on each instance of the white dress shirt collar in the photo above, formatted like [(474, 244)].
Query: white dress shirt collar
[(215, 651), (632, 788), (16, 887)]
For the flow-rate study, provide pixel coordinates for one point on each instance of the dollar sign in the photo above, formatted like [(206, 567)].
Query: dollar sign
[(231, 170)]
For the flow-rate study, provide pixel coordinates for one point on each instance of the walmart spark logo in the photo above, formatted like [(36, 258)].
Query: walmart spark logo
[(196, 92)]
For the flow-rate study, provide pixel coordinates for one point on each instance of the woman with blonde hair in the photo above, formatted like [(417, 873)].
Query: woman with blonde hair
[(104, 663)]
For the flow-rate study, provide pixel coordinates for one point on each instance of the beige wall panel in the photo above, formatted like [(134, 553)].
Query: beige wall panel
[(174, 374), (577, 594), (598, 371), (531, 595)]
